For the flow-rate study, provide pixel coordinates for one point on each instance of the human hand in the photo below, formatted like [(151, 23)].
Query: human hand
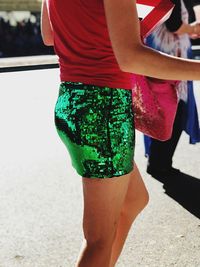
[(195, 33)]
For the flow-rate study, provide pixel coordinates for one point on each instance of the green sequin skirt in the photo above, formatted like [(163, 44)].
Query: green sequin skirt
[(97, 126)]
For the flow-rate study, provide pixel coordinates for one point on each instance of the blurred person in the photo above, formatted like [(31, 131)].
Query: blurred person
[(173, 37), (22, 39), (93, 113)]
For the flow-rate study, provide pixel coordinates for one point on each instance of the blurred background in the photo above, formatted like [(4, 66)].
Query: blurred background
[(20, 29)]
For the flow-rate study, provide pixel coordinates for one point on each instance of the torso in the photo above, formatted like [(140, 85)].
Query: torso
[(82, 43)]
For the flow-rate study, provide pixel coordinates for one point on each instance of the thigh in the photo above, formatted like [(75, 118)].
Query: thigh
[(103, 200)]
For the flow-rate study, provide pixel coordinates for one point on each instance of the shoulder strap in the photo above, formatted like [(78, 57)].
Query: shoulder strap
[(160, 12)]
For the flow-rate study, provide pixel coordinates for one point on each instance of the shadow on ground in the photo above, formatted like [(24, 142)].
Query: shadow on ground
[(184, 189)]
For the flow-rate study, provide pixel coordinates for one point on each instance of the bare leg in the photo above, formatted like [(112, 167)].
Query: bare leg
[(103, 200), (136, 199)]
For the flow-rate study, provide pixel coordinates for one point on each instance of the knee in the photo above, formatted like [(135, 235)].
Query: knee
[(100, 240), (99, 243), (133, 207), (143, 199), (137, 202)]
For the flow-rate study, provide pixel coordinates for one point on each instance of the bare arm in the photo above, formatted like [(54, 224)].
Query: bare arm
[(197, 12), (46, 28), (190, 29), (133, 56)]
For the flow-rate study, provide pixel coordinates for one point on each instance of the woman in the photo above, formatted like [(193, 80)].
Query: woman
[(97, 54), (173, 37)]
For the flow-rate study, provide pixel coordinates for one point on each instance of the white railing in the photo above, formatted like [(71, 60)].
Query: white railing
[(28, 63)]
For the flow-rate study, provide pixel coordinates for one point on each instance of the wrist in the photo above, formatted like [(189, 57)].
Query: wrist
[(195, 29)]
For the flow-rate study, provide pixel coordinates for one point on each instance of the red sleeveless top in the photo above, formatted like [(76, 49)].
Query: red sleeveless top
[(82, 43)]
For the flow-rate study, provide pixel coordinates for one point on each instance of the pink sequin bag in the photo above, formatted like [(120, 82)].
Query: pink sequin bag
[(154, 101)]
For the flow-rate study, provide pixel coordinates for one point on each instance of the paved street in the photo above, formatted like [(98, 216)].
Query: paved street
[(41, 198)]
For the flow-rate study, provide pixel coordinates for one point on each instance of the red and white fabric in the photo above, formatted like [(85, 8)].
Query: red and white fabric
[(153, 13)]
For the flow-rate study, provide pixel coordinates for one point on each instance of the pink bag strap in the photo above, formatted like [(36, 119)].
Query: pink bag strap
[(161, 11)]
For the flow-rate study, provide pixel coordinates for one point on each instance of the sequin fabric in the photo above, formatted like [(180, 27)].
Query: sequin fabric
[(97, 126), (154, 104)]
